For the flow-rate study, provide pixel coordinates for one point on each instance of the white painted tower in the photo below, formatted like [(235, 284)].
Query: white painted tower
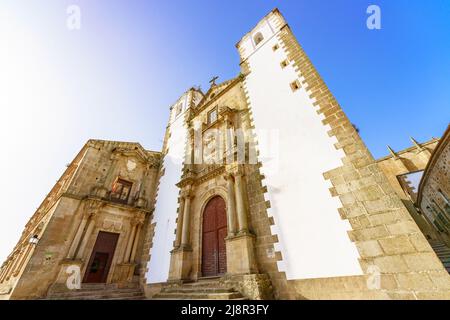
[(312, 236), (165, 214)]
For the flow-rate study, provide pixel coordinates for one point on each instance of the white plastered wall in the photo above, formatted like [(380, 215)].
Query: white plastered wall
[(165, 213), (312, 237)]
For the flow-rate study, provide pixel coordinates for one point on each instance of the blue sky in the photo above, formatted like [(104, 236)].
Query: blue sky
[(116, 77)]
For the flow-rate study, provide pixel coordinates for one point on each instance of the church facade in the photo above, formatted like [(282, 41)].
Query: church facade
[(263, 189)]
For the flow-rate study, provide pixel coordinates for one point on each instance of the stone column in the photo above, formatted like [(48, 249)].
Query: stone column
[(141, 194), (240, 205), (136, 242), (180, 223), (231, 206), (86, 237), (12, 268), (126, 257), (186, 220), (241, 257), (181, 257), (17, 261), (76, 239), (144, 182), (229, 140), (23, 258), (3, 273), (7, 268), (191, 154)]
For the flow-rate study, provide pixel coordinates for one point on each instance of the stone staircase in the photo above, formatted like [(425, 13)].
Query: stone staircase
[(98, 291), (201, 290), (443, 253)]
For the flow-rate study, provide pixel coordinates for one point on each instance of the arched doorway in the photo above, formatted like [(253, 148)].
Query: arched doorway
[(214, 255)]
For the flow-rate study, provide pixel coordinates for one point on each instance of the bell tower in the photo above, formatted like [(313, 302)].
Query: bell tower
[(165, 214), (311, 233), (329, 200)]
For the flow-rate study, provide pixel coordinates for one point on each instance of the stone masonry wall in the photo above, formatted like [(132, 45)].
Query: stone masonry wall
[(385, 234)]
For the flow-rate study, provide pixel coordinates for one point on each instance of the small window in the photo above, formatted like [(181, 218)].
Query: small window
[(284, 63), (295, 85), (120, 191), (258, 38), (212, 116), (275, 47), (178, 109)]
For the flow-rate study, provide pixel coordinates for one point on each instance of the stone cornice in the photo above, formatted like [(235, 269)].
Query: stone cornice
[(104, 203), (186, 181), (211, 172)]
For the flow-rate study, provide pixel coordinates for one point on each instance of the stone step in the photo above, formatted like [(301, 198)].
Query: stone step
[(186, 289), (204, 284), (130, 298), (76, 293), (235, 299), (100, 296), (439, 246), (87, 288), (95, 293), (98, 286), (141, 297), (98, 291), (443, 253), (103, 286), (198, 296), (203, 289), (442, 248)]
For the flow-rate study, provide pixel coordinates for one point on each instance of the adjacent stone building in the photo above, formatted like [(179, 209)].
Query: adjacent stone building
[(95, 218), (263, 189), (434, 190)]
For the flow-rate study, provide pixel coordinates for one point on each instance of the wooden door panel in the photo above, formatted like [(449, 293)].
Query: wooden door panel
[(209, 265), (222, 261), (214, 233), (101, 257), (97, 268), (221, 215), (209, 219)]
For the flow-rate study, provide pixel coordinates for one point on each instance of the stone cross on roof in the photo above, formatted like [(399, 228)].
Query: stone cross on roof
[(213, 81)]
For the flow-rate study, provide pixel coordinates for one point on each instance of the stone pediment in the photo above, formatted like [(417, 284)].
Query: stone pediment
[(132, 150), (215, 91)]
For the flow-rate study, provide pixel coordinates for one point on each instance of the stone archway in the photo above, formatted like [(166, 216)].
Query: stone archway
[(214, 231)]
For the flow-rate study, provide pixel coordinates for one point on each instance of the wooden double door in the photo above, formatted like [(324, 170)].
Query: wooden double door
[(101, 257), (214, 255)]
